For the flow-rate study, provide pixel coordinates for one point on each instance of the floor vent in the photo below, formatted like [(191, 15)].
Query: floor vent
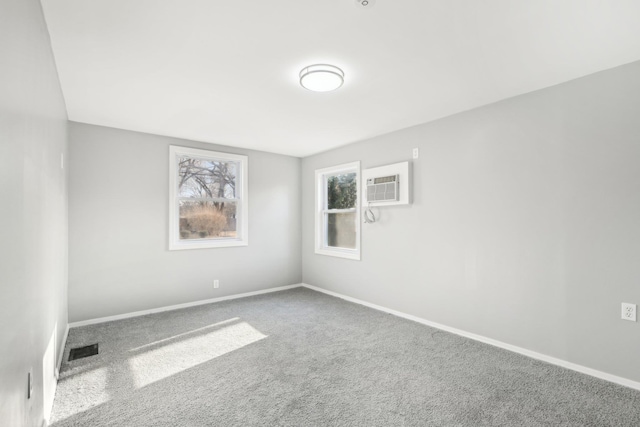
[(80, 352)]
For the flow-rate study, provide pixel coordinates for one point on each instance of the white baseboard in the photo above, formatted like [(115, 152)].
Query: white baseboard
[(60, 354), (535, 355), (178, 306)]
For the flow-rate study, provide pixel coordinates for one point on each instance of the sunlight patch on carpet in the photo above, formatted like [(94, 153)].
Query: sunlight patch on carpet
[(191, 332), (90, 390), (170, 359)]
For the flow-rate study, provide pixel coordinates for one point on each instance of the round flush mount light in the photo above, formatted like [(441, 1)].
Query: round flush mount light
[(321, 77)]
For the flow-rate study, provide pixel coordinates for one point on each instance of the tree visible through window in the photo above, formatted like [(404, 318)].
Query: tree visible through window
[(337, 211), (342, 195), (208, 199)]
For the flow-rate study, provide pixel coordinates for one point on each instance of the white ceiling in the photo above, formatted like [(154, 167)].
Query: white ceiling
[(227, 71)]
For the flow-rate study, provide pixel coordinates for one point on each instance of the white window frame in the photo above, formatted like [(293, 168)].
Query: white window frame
[(242, 200), (321, 212)]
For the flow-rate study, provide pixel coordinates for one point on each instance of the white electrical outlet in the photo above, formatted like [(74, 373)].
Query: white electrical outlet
[(216, 284), (629, 312), (416, 153)]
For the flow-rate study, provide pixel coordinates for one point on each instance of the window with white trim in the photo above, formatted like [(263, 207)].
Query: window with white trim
[(337, 221), (208, 199)]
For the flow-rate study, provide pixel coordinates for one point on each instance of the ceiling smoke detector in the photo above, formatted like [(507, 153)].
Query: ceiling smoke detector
[(365, 4)]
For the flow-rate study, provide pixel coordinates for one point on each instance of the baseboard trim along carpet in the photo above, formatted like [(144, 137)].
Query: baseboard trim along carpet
[(177, 306), (535, 355), (61, 351)]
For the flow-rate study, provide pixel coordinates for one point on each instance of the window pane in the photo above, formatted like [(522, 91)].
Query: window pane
[(341, 230), (206, 178), (342, 191), (207, 220)]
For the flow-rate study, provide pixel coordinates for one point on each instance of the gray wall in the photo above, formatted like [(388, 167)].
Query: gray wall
[(525, 225), (118, 236), (33, 213)]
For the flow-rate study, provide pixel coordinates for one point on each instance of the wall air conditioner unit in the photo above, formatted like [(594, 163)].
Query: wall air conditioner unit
[(388, 185), (383, 189)]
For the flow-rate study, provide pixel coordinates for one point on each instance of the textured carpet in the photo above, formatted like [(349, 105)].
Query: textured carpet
[(302, 358)]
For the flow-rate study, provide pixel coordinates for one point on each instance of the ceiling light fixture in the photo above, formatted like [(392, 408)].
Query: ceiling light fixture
[(321, 77)]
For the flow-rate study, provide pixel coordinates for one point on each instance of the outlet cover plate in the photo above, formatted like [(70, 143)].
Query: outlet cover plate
[(629, 311)]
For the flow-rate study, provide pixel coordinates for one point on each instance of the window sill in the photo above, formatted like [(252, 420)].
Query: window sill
[(339, 253), (173, 246)]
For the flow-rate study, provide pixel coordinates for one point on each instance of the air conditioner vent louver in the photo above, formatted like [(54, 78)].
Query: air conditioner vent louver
[(382, 189)]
